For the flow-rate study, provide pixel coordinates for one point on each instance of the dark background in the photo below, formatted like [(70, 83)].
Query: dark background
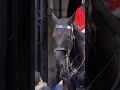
[(17, 44)]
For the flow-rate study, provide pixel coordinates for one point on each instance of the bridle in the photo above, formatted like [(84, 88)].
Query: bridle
[(68, 50)]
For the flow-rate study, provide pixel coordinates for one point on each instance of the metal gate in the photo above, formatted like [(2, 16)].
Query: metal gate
[(41, 38)]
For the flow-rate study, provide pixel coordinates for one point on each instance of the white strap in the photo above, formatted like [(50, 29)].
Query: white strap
[(61, 27), (83, 31)]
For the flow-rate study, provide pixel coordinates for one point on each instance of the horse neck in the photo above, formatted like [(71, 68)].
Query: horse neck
[(79, 43), (77, 47)]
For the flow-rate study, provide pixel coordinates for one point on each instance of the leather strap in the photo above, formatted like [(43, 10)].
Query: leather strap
[(60, 49)]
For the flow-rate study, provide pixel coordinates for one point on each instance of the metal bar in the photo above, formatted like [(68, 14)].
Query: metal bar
[(43, 40), (38, 39), (36, 34), (60, 8)]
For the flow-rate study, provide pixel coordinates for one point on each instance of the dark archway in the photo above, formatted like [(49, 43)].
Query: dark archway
[(16, 44)]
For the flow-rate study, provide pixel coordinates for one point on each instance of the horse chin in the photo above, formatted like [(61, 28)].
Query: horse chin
[(78, 81), (62, 75)]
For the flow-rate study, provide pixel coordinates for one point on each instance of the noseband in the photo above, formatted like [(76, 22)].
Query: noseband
[(60, 49)]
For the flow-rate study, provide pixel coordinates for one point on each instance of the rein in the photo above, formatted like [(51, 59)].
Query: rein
[(74, 71), (118, 41)]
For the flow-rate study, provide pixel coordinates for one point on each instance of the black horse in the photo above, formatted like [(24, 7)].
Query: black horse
[(69, 52), (103, 66)]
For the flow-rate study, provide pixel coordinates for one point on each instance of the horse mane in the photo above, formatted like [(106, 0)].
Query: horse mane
[(81, 35)]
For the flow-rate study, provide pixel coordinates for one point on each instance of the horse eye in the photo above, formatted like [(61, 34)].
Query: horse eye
[(68, 37)]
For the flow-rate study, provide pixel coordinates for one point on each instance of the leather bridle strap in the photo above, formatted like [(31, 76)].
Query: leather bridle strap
[(60, 49), (71, 45), (71, 42)]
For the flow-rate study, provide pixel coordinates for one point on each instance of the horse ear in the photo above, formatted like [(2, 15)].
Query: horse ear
[(55, 19), (71, 19)]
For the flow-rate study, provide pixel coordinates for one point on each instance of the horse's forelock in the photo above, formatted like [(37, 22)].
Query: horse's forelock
[(63, 23)]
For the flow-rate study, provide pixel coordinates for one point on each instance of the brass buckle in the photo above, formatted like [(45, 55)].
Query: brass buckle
[(94, 26)]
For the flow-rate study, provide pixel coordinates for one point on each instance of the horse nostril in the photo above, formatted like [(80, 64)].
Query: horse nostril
[(61, 65), (62, 74)]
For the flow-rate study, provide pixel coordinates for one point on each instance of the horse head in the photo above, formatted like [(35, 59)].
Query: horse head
[(63, 36)]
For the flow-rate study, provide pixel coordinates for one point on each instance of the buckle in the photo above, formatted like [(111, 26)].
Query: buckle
[(94, 26)]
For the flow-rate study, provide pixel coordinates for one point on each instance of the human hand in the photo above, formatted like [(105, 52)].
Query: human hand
[(59, 86)]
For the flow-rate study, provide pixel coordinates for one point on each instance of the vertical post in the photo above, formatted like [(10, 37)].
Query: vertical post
[(39, 62), (60, 8), (33, 42), (44, 40), (3, 38), (12, 45), (24, 44), (36, 33)]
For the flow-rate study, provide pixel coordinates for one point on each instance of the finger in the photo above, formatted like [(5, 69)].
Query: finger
[(41, 80), (61, 82)]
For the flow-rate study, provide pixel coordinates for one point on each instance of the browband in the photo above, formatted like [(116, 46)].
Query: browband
[(61, 26)]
